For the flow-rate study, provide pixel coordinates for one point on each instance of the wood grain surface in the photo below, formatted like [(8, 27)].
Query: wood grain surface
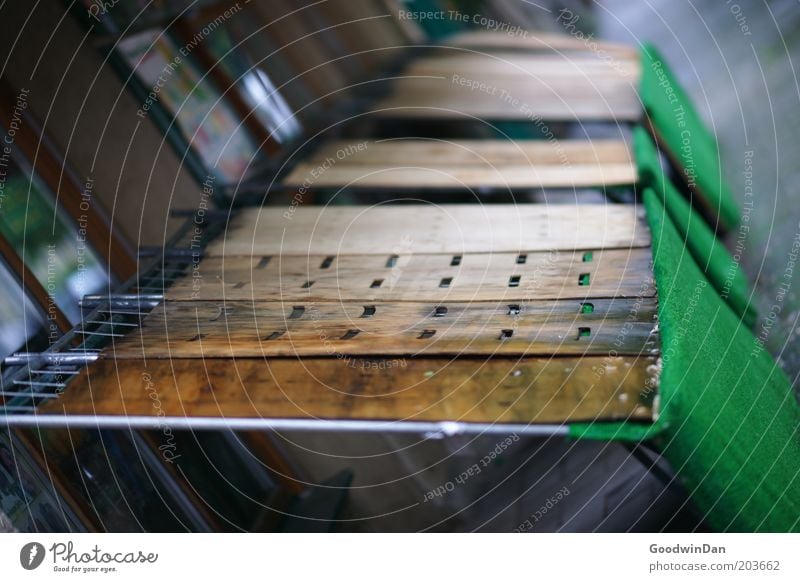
[(513, 98), (430, 228), (423, 277), (537, 42), (573, 67), (201, 329), (502, 390), (466, 163)]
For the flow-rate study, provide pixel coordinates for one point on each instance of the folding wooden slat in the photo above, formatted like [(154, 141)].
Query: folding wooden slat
[(481, 390), (528, 42), (552, 67), (420, 277), (423, 229), (579, 83), (413, 163), (467, 152), (272, 328), (512, 98)]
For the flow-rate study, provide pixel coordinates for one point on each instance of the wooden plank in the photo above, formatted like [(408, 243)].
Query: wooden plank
[(582, 68), (417, 229), (516, 92), (418, 277), (495, 152), (203, 329), (502, 390), (510, 98), (541, 42), (471, 163), (381, 176)]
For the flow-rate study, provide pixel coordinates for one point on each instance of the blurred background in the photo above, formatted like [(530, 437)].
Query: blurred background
[(102, 150)]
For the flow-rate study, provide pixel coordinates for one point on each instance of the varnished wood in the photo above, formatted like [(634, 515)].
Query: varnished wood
[(271, 328), (470, 163), (502, 390), (586, 69), (420, 277), (513, 98), (494, 152), (538, 42), (428, 228)]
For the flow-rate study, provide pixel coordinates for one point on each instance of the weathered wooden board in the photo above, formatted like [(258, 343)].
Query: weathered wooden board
[(520, 98), (539, 42), (271, 328), (459, 177), (466, 163), (550, 67), (466, 152), (502, 390), (431, 228), (430, 278)]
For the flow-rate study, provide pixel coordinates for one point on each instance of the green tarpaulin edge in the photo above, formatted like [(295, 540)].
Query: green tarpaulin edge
[(723, 272), (684, 135), (729, 422)]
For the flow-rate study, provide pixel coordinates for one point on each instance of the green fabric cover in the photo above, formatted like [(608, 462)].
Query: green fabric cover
[(685, 137), (710, 254), (435, 28), (729, 423)]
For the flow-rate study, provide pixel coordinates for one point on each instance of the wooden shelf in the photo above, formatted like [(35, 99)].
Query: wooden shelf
[(435, 320), (411, 163)]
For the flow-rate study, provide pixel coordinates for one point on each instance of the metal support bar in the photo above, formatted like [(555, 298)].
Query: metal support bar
[(431, 430), (112, 323), (51, 358), (30, 394), (33, 383), (122, 300)]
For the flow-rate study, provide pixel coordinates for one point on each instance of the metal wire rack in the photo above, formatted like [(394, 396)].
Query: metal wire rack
[(30, 378)]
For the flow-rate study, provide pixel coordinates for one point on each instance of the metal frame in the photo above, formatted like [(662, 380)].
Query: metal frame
[(432, 429)]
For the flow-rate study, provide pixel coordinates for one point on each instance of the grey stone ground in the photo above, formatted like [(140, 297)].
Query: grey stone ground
[(739, 61)]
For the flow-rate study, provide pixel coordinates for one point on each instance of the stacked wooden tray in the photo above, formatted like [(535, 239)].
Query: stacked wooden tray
[(479, 315)]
